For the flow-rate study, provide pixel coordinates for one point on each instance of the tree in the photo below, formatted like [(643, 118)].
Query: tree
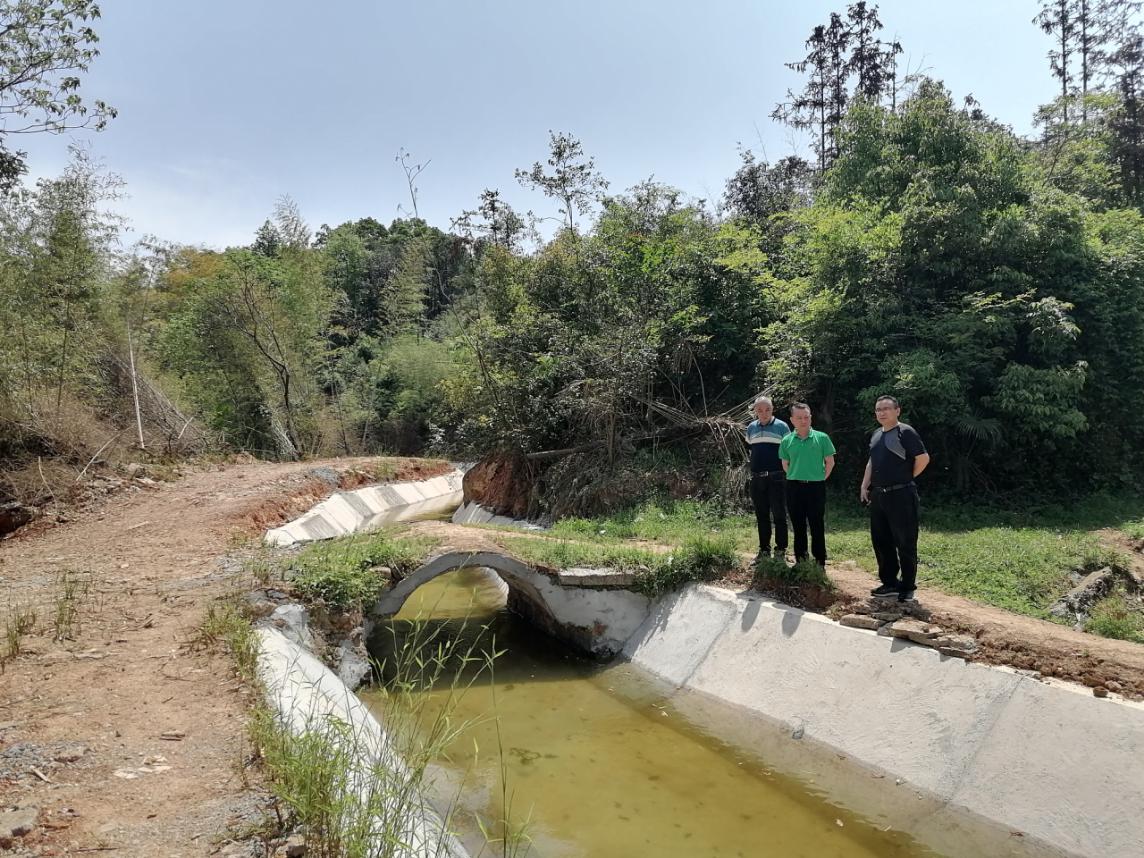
[(872, 61), (61, 348), (44, 46), (572, 178), (291, 227), (769, 196), (838, 51), (1126, 123), (267, 241), (403, 301), (492, 221), (1089, 33), (411, 171), (807, 109), (1056, 20)]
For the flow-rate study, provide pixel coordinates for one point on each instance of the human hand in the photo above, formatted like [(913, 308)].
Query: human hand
[(864, 494)]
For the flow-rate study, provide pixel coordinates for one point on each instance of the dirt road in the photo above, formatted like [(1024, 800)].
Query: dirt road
[(129, 739)]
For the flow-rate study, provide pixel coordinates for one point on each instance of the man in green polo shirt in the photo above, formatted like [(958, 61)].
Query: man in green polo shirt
[(808, 458)]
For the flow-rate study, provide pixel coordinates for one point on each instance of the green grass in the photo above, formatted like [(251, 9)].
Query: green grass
[(1115, 617), (18, 622), (343, 573), (698, 557), (224, 625), (805, 573), (1017, 560)]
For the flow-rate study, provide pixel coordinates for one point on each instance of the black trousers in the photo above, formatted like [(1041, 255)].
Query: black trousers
[(768, 495), (894, 532), (807, 505)]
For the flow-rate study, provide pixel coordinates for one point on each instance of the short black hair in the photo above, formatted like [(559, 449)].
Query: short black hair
[(799, 405), (886, 396)]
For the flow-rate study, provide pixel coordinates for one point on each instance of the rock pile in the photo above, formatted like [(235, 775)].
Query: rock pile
[(895, 625)]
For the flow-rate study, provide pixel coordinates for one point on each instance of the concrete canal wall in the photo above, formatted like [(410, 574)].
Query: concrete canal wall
[(308, 697), (1047, 760), (344, 513)]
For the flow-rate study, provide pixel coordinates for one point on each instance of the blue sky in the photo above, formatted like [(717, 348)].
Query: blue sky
[(225, 106)]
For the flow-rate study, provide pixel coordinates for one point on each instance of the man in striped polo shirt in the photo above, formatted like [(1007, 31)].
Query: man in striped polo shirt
[(768, 483)]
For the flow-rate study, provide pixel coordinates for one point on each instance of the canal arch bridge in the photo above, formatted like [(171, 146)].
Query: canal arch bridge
[(593, 610)]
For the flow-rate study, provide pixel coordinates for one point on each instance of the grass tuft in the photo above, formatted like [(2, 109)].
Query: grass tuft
[(1115, 616), (225, 625), (345, 573), (804, 573), (72, 588), (19, 621)]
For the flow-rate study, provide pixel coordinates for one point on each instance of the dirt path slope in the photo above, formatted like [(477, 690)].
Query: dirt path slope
[(82, 723)]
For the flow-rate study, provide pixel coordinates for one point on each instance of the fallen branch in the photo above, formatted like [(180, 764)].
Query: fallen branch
[(91, 461)]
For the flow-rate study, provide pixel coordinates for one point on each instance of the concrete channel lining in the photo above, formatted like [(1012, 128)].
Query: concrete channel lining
[(1048, 760), (307, 697), (367, 508)]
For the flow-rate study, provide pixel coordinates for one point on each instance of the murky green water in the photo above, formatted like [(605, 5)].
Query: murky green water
[(600, 762)]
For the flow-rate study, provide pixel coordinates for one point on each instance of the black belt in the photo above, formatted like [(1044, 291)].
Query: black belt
[(767, 473), (806, 482), (892, 488)]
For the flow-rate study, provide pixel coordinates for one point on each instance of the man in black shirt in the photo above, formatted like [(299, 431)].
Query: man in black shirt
[(897, 455)]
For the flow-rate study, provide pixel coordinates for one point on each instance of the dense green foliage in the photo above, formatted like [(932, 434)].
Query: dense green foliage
[(994, 283)]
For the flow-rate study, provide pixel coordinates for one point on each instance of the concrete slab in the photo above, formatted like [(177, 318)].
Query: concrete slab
[(368, 508), (356, 501), (1066, 767), (372, 499), (316, 527), (340, 513), (579, 577), (1052, 762), (408, 492), (676, 637), (308, 697)]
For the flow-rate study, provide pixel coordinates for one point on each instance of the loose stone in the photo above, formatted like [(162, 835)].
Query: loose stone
[(914, 630), (860, 621)]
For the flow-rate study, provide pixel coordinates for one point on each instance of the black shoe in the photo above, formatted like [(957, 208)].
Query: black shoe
[(779, 554), (908, 596), (761, 556), (885, 590)]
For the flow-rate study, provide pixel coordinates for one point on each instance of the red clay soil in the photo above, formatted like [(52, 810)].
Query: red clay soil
[(129, 739), (502, 483)]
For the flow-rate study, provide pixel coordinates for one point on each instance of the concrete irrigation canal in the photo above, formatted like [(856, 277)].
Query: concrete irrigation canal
[(709, 722)]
